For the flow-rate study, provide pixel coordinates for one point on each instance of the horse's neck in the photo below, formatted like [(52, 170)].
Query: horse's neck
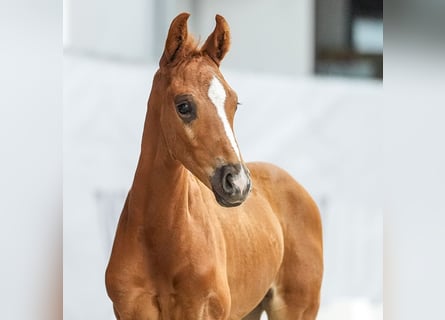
[(158, 196)]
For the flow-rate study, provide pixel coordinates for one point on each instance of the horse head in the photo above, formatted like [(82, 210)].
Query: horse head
[(196, 107)]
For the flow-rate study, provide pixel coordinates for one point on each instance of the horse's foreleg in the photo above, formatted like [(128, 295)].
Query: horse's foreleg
[(289, 308), (294, 300), (296, 293)]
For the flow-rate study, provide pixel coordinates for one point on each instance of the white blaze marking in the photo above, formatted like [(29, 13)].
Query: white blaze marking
[(217, 95)]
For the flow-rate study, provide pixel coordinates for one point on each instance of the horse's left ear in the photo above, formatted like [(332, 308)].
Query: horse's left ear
[(218, 43)]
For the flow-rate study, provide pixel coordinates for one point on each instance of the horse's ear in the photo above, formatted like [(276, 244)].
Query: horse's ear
[(176, 43), (218, 43)]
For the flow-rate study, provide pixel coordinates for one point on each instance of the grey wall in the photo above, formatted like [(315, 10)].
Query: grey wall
[(110, 28), (267, 36)]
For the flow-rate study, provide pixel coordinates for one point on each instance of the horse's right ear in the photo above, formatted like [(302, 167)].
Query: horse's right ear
[(176, 43)]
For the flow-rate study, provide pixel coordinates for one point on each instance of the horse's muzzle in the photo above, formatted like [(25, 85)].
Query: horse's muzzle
[(231, 184)]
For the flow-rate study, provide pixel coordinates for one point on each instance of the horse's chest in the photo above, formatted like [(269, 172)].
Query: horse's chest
[(199, 270), (254, 254)]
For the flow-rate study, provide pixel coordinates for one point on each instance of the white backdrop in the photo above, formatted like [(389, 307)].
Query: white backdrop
[(325, 132)]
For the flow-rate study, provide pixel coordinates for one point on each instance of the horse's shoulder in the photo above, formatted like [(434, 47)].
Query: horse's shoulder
[(278, 183), (269, 172)]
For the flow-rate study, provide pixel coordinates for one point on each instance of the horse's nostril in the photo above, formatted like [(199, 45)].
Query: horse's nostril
[(230, 184), (227, 183)]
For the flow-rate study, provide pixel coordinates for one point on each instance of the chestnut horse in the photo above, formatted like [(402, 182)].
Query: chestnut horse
[(202, 234)]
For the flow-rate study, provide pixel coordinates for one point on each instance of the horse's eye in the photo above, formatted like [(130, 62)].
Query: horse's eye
[(186, 111), (184, 108)]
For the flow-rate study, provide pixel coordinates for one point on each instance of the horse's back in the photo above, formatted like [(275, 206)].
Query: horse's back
[(296, 288)]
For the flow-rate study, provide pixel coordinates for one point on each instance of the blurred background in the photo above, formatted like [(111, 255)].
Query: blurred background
[(317, 63)]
